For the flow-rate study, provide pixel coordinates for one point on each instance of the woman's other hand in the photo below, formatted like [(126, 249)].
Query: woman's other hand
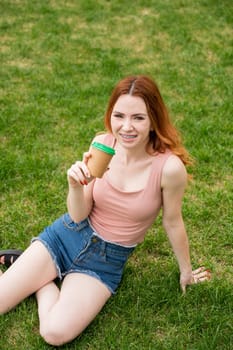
[(197, 276)]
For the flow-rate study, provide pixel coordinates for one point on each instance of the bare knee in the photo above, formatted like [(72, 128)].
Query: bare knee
[(2, 309), (52, 336), (4, 306), (55, 335), (4, 301)]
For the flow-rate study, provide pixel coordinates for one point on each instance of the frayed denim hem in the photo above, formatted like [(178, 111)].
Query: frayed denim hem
[(59, 274), (89, 273)]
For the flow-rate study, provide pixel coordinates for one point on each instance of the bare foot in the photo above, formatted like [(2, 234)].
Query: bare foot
[(8, 257)]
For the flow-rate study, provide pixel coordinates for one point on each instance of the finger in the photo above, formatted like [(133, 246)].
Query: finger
[(200, 269), (86, 171), (183, 288), (83, 167), (77, 175), (203, 274), (202, 278), (72, 174), (86, 157)]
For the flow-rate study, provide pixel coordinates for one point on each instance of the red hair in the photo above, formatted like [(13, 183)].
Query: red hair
[(163, 135)]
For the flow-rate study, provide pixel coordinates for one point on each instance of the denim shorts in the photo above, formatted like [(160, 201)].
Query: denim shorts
[(76, 247)]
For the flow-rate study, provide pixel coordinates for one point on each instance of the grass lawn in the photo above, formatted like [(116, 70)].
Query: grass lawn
[(59, 63)]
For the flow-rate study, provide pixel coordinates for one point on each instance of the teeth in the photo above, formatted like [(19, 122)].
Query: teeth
[(128, 136)]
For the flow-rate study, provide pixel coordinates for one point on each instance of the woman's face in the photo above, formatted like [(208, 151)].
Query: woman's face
[(130, 121)]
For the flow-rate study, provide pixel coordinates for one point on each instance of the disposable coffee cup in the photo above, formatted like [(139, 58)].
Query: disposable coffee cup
[(100, 159)]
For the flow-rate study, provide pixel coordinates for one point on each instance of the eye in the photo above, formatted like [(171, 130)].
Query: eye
[(117, 115), (139, 117)]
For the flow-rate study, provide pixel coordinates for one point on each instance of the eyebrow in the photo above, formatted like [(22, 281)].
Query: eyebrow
[(134, 115)]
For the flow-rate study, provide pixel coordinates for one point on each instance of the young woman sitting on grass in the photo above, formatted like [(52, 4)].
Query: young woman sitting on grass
[(107, 217)]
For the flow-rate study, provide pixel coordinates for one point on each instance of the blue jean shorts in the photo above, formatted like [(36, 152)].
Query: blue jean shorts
[(76, 247)]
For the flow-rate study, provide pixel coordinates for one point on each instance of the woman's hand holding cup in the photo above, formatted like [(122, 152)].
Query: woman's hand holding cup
[(79, 174)]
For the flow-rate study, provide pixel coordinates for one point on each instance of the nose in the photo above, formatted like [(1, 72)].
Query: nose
[(127, 124)]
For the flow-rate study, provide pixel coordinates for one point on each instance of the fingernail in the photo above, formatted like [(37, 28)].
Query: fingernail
[(85, 182), (81, 183)]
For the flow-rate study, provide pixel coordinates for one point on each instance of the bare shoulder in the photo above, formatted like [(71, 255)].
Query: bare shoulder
[(174, 173), (99, 137)]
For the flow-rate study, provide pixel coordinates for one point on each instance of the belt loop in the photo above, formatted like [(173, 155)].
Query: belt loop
[(103, 247)]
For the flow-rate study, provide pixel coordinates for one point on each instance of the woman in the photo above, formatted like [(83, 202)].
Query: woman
[(88, 247)]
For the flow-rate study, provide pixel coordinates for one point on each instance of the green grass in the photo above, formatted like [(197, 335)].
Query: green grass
[(59, 63)]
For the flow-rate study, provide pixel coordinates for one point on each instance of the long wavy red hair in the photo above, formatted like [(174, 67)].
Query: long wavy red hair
[(163, 135)]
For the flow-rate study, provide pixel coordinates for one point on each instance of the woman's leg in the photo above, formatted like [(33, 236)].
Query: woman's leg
[(65, 314), (32, 270)]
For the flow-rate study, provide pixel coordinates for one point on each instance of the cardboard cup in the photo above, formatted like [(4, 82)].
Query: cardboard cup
[(100, 158)]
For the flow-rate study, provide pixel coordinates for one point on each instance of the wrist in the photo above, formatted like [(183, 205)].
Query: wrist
[(186, 271), (75, 187)]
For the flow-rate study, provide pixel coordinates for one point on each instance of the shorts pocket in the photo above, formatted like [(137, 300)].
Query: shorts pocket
[(116, 258), (83, 253), (71, 225)]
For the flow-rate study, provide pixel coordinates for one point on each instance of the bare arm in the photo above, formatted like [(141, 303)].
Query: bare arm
[(174, 179), (79, 199), (80, 194)]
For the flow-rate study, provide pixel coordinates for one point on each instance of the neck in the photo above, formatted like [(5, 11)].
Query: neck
[(128, 156)]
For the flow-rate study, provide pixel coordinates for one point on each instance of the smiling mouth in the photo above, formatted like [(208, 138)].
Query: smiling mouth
[(128, 137)]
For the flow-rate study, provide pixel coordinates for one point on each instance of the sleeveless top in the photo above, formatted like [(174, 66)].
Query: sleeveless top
[(124, 217)]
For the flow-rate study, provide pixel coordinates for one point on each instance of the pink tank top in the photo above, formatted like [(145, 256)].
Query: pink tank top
[(124, 217)]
